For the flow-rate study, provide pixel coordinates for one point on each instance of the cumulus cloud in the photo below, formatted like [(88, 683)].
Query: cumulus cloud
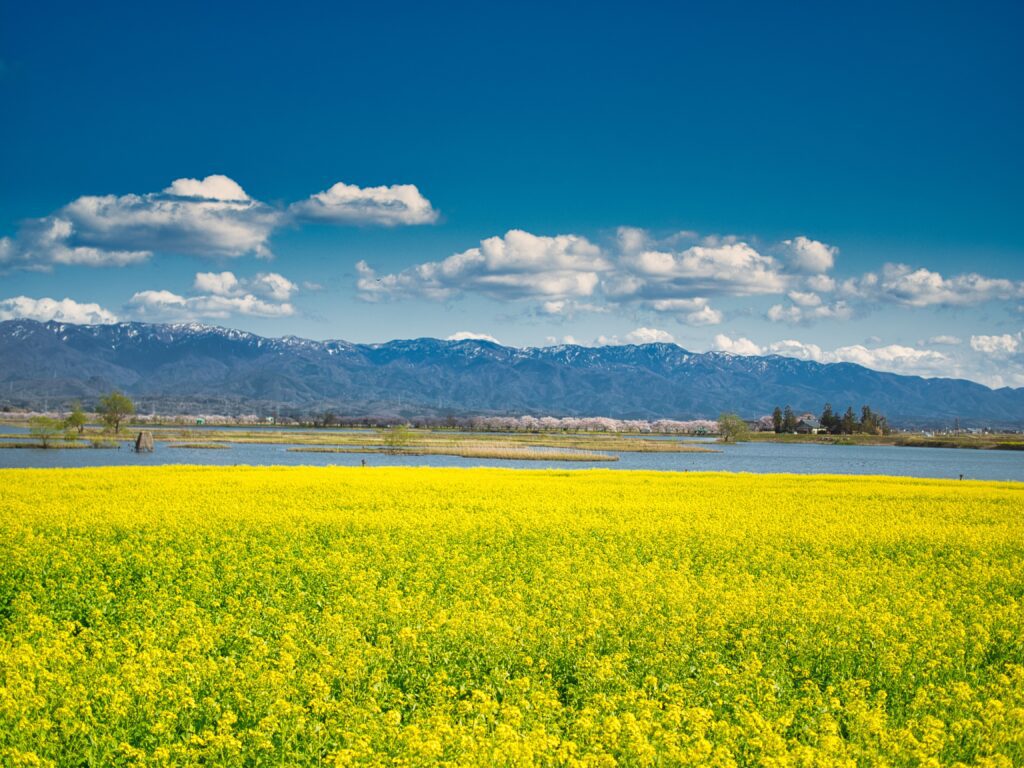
[(273, 285), (632, 239), (209, 217), (736, 269), (568, 308), (270, 285), (517, 265), (165, 305), (805, 310), (805, 299), (206, 226), (679, 276), (794, 348), (568, 339), (944, 340), (219, 295), (703, 316), (695, 311), (921, 287), (218, 283), (644, 335), (472, 336), (399, 204), (63, 311), (640, 335), (1003, 345), (737, 346), (895, 358), (42, 243), (821, 283), (213, 187), (808, 255), (566, 274)]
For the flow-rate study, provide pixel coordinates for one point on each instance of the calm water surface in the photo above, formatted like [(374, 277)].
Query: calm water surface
[(743, 457)]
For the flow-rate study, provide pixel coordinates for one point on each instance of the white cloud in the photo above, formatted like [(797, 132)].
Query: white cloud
[(273, 285), (208, 217), (902, 284), (990, 360), (553, 341), (220, 295), (42, 243), (1003, 345), (805, 299), (155, 222), (217, 283), (518, 265), (673, 275), (809, 255), (64, 311), (894, 358), (568, 308), (738, 346), (632, 239), (270, 285), (211, 217), (794, 348), (165, 305), (470, 335), (736, 269), (399, 204), (778, 313), (644, 335), (213, 187), (695, 311), (808, 311), (703, 316), (821, 283)]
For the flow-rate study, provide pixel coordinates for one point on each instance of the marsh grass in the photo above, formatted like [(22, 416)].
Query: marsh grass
[(468, 450)]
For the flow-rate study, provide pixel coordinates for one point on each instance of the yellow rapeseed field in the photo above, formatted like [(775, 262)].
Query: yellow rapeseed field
[(336, 616)]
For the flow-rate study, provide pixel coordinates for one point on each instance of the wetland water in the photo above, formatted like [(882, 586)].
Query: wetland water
[(800, 458)]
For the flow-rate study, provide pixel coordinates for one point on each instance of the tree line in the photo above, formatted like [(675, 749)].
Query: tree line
[(112, 408), (869, 422)]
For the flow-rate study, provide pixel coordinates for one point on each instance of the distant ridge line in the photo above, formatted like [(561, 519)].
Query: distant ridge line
[(192, 367)]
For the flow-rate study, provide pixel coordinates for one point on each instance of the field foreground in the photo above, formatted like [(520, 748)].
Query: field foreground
[(335, 616)]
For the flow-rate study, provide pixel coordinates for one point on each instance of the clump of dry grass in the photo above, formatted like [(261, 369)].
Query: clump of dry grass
[(470, 450)]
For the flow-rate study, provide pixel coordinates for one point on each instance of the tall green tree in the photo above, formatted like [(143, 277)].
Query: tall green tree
[(45, 428), (732, 428), (788, 420), (777, 419), (76, 420), (848, 424), (396, 437), (115, 408), (827, 417)]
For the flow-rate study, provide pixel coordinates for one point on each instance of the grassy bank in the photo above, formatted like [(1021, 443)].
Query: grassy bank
[(472, 451), (1004, 442)]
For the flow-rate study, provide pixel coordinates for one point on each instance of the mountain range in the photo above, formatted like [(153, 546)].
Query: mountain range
[(194, 368)]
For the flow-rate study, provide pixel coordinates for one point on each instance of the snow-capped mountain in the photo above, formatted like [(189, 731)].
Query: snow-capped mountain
[(190, 367)]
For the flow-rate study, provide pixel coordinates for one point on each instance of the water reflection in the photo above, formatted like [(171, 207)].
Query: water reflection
[(744, 457)]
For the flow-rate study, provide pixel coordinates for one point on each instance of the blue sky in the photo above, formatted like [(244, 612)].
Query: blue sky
[(833, 184)]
